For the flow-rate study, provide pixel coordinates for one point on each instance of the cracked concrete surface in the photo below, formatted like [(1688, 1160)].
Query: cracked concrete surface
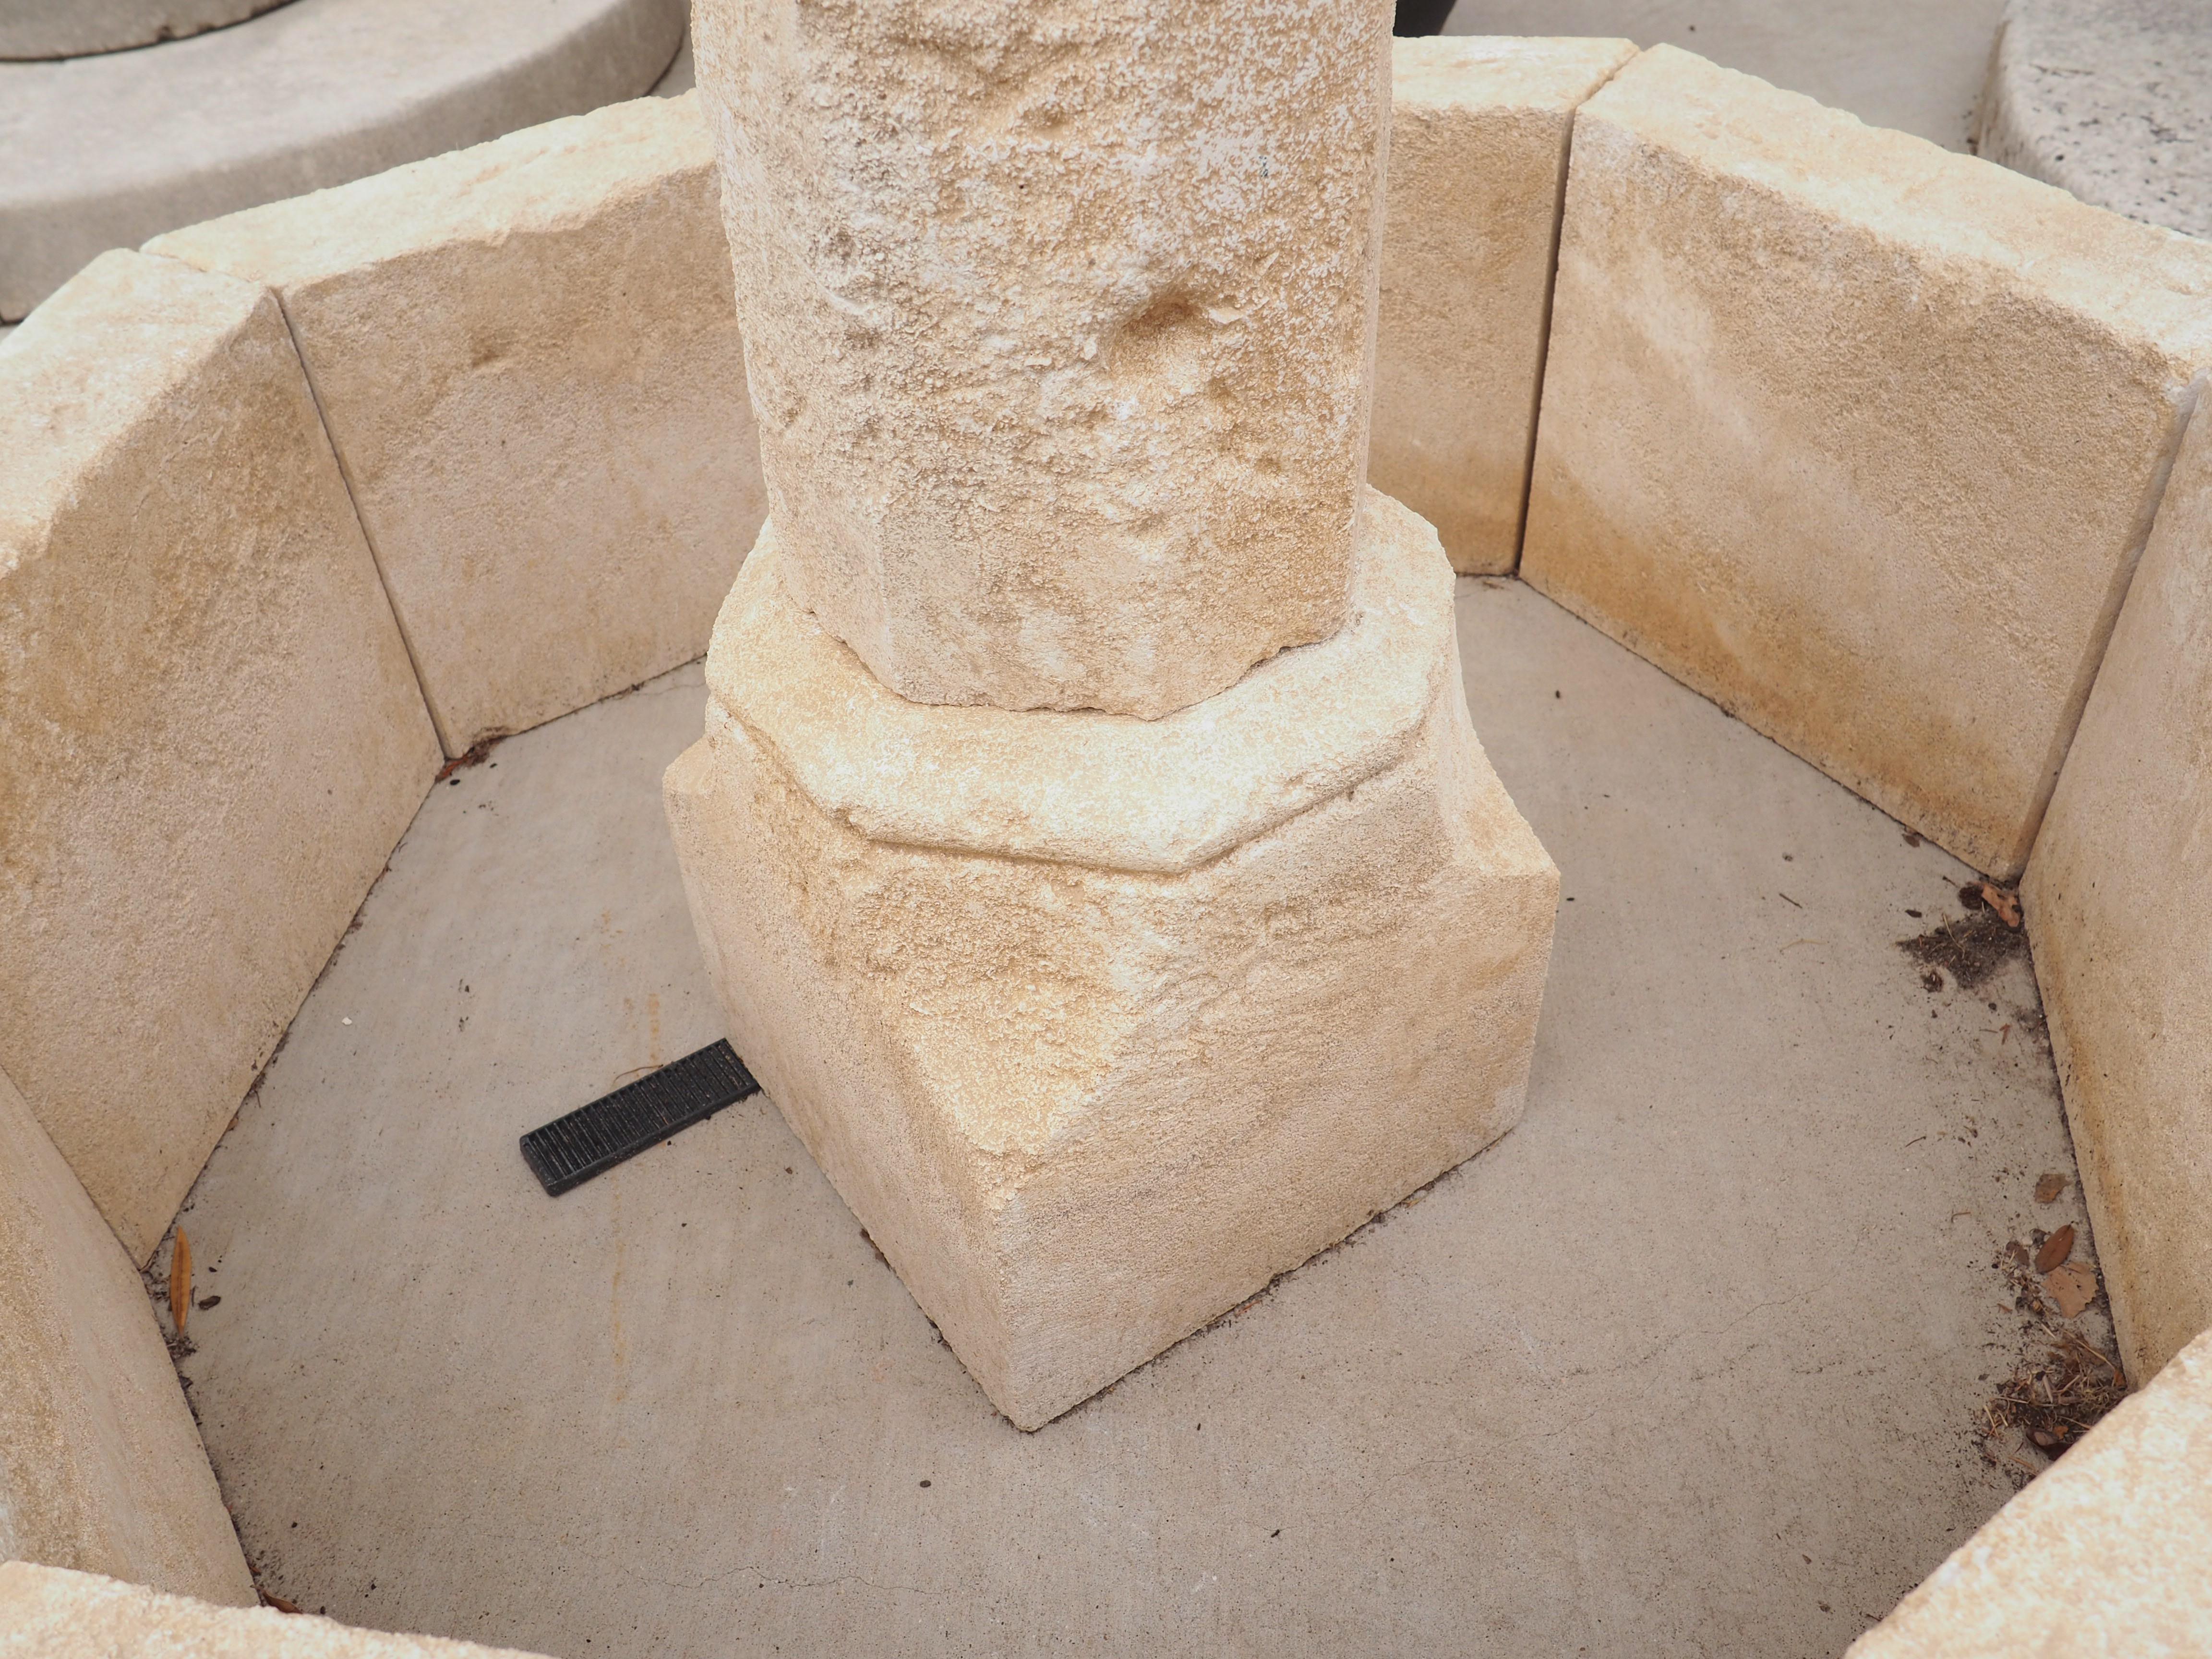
[(1688, 1364)]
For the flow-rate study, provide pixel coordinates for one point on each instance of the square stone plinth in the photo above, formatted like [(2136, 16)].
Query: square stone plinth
[(528, 356), (1857, 437), (1479, 130), (1099, 1023), (210, 737)]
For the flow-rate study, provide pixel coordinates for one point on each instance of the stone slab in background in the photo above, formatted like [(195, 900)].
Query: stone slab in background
[(2117, 895), (209, 734), (1478, 132), (101, 1464), (1857, 437), (46, 1612), (2109, 98), (71, 28), (2109, 1552), (528, 358), (1099, 1023), (104, 152)]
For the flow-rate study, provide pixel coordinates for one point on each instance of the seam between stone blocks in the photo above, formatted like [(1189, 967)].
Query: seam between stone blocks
[(1550, 284)]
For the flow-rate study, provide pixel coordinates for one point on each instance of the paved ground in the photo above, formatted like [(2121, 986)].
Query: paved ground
[(1688, 1364), (1914, 64)]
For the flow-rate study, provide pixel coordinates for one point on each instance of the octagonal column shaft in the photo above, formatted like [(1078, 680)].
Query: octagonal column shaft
[(1058, 316)]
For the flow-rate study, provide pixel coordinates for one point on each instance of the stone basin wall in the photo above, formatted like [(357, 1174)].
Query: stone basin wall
[(1888, 451)]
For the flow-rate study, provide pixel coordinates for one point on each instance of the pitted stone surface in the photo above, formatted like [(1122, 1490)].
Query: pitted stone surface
[(48, 1613), (2109, 98), (553, 459), (101, 1465), (1105, 790), (1083, 1110), (1856, 436), (2108, 1554), (1058, 323), (1479, 130), (209, 733), (2116, 896)]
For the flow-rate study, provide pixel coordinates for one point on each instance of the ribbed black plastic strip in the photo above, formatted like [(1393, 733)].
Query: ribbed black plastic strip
[(571, 1150)]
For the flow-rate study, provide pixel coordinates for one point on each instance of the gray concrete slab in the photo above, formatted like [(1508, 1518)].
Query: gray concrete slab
[(1690, 1363), (1916, 65)]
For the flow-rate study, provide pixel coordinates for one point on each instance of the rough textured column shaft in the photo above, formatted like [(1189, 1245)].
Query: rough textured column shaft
[(1057, 318)]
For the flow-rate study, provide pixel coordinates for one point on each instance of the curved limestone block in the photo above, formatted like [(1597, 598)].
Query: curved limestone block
[(1093, 1071), (71, 28), (101, 1465), (1058, 322)]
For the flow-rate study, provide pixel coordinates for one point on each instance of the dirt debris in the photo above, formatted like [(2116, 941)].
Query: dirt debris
[(1969, 948)]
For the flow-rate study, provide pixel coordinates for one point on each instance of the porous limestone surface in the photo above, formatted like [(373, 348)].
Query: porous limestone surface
[(554, 456), (46, 1612), (70, 29), (2114, 896), (101, 1465), (1100, 1023), (1710, 1309), (2108, 1554), (1857, 437), (1478, 132), (209, 734), (2109, 99), (1058, 323), (104, 152)]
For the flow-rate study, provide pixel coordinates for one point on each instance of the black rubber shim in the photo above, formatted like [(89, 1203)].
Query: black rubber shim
[(571, 1150)]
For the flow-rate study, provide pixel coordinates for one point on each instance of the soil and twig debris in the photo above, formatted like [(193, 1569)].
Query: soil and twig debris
[(1970, 948), (2052, 1400)]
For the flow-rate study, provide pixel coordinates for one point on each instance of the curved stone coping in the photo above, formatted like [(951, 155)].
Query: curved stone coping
[(2109, 98), (315, 93), (1106, 790), (74, 29)]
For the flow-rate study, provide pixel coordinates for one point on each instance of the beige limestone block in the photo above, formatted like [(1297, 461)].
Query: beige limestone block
[(1058, 321), (49, 1613), (100, 1463), (210, 736), (1858, 437), (2117, 896), (1479, 130), (1099, 1023), (2107, 1555), (529, 360)]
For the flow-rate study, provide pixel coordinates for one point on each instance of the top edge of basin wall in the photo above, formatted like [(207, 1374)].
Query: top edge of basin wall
[(1059, 329)]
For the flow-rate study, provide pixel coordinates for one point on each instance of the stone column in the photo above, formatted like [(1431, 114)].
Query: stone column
[(1089, 843)]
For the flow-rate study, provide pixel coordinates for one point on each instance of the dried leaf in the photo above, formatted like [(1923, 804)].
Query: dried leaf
[(2073, 1287), (2048, 1188), (270, 1599), (2007, 905), (180, 1280), (2055, 1249)]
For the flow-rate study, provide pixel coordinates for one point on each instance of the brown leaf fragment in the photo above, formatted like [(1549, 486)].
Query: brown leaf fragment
[(2006, 904), (2048, 1188), (2055, 1249), (2073, 1287), (270, 1599), (180, 1281)]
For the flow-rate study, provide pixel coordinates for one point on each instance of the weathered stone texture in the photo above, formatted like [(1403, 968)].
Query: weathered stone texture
[(2108, 1555), (1058, 321), (1858, 437), (1479, 131), (2117, 896), (529, 360), (1099, 1023), (209, 735), (48, 1613), (100, 1465)]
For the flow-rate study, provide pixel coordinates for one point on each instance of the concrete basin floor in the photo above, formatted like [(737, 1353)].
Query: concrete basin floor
[(1692, 1362)]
